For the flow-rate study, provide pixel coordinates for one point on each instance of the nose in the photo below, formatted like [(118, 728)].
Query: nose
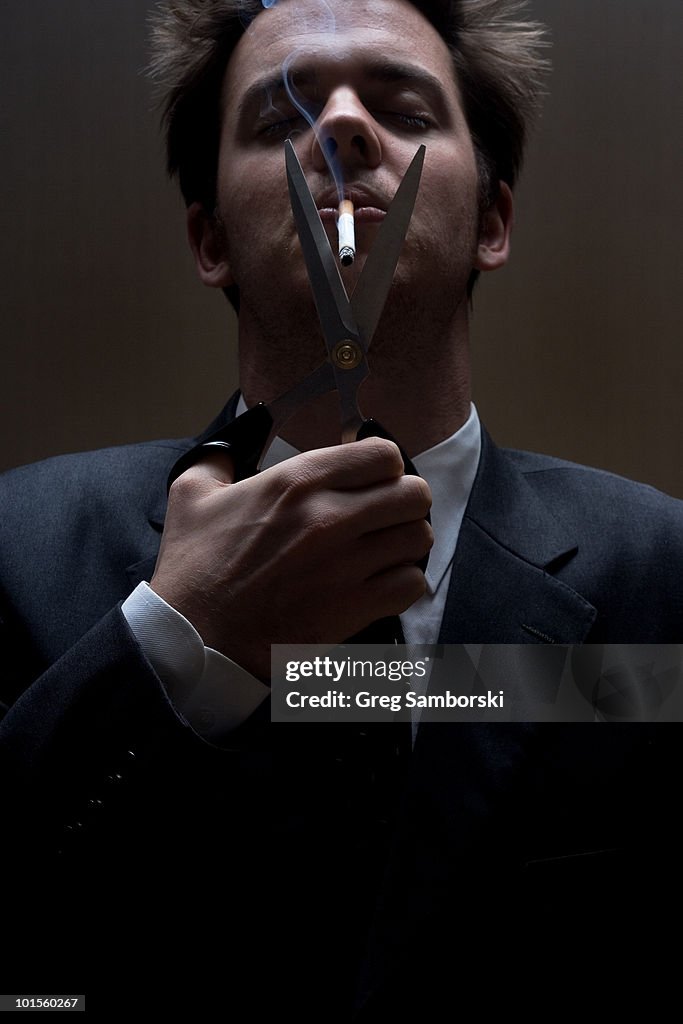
[(346, 133)]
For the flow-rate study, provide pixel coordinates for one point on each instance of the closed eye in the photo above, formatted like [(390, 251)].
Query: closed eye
[(420, 122), (415, 120), (274, 129)]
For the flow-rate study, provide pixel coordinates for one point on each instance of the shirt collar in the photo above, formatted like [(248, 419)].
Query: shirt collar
[(449, 468)]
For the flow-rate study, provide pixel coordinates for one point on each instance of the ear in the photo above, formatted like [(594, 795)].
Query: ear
[(496, 228), (205, 235)]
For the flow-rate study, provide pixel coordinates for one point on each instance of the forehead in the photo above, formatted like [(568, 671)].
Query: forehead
[(338, 37)]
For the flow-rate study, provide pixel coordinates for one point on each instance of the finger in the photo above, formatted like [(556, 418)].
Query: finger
[(396, 546), (387, 504), (391, 592), (350, 515), (349, 466)]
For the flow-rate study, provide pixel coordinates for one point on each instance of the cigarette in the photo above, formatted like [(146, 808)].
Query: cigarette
[(347, 234)]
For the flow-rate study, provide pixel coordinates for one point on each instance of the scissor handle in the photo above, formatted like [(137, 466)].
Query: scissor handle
[(244, 438), (371, 428)]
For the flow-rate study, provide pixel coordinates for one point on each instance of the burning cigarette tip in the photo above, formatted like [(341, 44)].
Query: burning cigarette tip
[(347, 234)]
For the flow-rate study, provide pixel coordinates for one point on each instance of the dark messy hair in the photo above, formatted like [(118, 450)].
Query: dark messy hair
[(497, 55)]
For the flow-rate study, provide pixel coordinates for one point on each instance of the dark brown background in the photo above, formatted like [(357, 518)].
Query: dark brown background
[(108, 337)]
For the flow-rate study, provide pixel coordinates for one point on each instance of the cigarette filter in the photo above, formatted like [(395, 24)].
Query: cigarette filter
[(347, 234)]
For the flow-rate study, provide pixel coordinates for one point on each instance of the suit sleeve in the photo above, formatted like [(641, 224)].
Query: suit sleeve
[(93, 748)]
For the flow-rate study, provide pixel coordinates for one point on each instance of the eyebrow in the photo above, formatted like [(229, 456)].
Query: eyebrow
[(255, 93), (379, 71), (396, 71)]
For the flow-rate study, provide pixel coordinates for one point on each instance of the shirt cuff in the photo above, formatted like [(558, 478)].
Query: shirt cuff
[(211, 692)]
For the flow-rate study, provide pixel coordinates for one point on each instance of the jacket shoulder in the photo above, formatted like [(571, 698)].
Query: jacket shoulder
[(91, 509), (98, 463), (594, 495), (118, 473)]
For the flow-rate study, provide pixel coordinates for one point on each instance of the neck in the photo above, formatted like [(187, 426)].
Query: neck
[(418, 387)]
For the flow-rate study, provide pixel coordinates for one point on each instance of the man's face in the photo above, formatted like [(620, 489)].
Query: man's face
[(378, 80)]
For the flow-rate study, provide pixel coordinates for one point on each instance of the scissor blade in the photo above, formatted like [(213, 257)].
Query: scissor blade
[(370, 294), (329, 293)]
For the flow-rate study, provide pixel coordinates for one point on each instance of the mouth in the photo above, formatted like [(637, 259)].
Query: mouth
[(367, 208), (361, 214)]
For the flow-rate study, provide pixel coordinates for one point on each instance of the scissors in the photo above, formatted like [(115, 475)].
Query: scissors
[(347, 324)]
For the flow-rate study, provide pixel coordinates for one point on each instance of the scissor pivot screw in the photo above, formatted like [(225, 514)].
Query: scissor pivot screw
[(347, 355)]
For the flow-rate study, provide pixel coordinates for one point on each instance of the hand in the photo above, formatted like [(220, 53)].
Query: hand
[(310, 551)]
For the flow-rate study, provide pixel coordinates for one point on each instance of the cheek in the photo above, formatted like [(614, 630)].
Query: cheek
[(239, 185), (254, 205), (451, 213), (261, 243)]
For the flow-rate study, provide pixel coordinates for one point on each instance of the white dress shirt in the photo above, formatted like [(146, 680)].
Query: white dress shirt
[(211, 692)]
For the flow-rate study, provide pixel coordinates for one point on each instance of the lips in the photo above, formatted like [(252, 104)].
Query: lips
[(361, 214), (366, 206)]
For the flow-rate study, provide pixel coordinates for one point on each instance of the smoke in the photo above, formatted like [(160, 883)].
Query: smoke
[(320, 20)]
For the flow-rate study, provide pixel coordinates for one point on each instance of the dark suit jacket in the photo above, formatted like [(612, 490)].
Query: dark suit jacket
[(135, 850)]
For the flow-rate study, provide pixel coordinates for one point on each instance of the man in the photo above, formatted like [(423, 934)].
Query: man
[(136, 732)]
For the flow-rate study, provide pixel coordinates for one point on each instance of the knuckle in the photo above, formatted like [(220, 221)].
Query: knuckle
[(184, 488), (425, 492), (385, 451), (392, 454), (319, 518), (311, 470), (411, 588), (403, 588), (299, 502), (416, 490), (424, 537), (417, 584), (303, 511), (428, 534), (295, 476)]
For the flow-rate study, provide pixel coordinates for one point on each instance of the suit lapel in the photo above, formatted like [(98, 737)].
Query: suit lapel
[(502, 589)]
